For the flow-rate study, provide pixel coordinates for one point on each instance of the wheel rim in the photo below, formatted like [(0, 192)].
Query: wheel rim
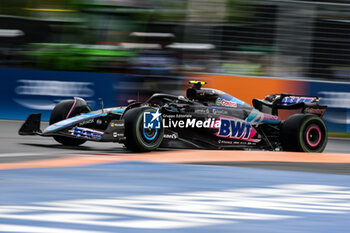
[(150, 134), (149, 138), (313, 136)]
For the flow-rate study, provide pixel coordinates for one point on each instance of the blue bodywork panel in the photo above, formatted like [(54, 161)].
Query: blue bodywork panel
[(121, 110), (71, 121), (77, 119)]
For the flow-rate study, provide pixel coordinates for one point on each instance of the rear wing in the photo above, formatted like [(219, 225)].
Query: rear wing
[(307, 104)]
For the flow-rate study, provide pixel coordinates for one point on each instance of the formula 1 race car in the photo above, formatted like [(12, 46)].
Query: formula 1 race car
[(206, 119)]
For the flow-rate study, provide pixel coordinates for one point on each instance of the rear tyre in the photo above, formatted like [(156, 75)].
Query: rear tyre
[(304, 133), (138, 138), (59, 113)]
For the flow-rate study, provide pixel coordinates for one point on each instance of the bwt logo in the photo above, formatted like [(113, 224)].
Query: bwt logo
[(234, 129), (151, 120), (295, 99)]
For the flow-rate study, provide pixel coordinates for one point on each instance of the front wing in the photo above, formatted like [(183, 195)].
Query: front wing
[(76, 127)]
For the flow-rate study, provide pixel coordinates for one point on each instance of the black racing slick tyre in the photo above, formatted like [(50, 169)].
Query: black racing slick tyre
[(64, 110), (304, 133), (139, 138)]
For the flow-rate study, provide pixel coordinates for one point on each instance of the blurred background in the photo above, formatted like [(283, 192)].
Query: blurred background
[(128, 49)]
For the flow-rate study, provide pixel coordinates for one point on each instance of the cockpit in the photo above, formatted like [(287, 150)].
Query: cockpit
[(214, 97)]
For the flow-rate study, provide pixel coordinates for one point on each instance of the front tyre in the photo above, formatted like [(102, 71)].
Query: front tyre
[(139, 138), (66, 109), (304, 133)]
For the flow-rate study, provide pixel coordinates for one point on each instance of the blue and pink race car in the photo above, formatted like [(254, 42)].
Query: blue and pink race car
[(206, 119)]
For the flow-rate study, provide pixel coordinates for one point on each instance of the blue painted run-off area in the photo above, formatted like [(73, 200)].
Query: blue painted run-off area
[(144, 197)]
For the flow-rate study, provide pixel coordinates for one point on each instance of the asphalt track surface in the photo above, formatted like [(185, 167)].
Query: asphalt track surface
[(15, 148)]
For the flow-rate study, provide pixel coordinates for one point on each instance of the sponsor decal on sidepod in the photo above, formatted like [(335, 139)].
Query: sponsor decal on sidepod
[(236, 129)]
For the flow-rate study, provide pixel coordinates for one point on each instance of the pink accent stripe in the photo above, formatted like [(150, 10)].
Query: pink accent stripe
[(319, 136), (71, 109)]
